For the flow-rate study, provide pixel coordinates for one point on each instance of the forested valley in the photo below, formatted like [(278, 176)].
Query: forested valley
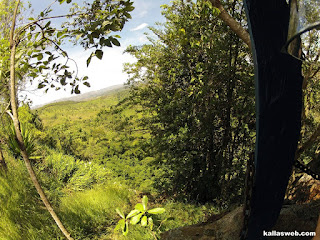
[(169, 149)]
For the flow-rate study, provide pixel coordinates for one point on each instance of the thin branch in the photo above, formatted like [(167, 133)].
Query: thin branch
[(232, 23), (47, 18), (16, 123)]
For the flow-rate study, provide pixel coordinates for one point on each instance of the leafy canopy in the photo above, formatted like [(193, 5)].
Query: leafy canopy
[(41, 39)]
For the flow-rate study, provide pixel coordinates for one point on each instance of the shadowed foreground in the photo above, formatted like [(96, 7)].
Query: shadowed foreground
[(299, 218)]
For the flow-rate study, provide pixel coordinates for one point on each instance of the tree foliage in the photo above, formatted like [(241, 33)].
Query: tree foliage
[(195, 84)]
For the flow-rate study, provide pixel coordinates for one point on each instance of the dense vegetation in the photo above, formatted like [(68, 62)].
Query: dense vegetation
[(196, 87), (180, 134), (104, 166)]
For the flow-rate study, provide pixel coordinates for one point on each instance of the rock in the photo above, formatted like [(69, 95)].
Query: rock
[(297, 217), (303, 189)]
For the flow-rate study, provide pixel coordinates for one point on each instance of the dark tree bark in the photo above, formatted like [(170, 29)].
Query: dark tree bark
[(279, 102)]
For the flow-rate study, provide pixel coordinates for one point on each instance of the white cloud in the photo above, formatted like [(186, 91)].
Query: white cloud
[(141, 26)]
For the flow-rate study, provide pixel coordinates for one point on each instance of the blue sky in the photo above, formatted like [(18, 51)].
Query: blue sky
[(108, 71)]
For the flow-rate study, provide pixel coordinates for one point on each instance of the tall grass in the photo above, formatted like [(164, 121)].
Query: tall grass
[(22, 215), (85, 198), (91, 213)]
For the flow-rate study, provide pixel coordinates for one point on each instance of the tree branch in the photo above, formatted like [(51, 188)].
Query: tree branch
[(16, 123), (232, 23)]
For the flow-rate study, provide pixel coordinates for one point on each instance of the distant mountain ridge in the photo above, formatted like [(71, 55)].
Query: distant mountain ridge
[(87, 96)]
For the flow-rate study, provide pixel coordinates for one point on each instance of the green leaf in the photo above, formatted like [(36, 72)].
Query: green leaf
[(87, 84), (59, 34), (120, 212), (144, 202), (134, 220), (39, 56), (150, 223), (107, 43), (89, 60), (99, 54), (133, 213), (144, 221), (139, 207), (120, 225), (126, 229), (41, 85), (47, 24), (115, 42), (64, 53), (156, 211), (76, 90)]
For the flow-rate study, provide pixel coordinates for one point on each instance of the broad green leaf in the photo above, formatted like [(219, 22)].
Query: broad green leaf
[(120, 212), (133, 213), (156, 211), (144, 221), (99, 54), (134, 220), (139, 207), (144, 202), (115, 42), (120, 225)]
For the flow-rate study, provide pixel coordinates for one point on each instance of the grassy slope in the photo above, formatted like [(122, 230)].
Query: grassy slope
[(110, 169)]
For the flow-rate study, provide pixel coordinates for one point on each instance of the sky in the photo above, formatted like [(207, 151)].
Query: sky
[(108, 71)]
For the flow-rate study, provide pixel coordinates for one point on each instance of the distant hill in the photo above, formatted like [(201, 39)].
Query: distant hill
[(87, 96)]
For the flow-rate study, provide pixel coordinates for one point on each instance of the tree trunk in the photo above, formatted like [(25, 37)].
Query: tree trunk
[(14, 108)]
